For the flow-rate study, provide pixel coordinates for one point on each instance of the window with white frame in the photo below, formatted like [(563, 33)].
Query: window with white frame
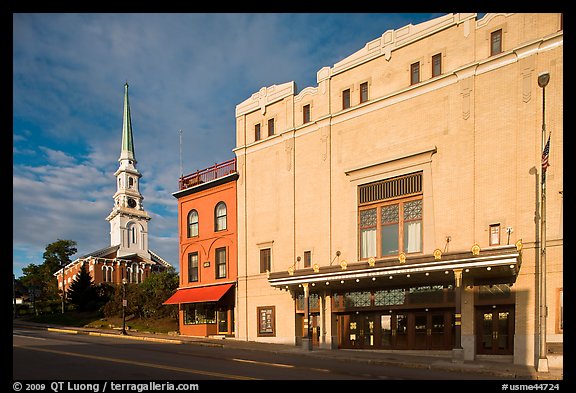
[(220, 217)]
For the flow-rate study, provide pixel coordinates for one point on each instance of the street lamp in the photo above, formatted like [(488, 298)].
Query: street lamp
[(543, 80), (63, 289), (14, 295), (124, 304)]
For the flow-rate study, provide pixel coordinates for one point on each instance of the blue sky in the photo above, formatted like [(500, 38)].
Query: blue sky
[(185, 71)]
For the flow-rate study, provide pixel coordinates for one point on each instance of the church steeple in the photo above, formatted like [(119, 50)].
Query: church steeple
[(127, 152), (128, 219)]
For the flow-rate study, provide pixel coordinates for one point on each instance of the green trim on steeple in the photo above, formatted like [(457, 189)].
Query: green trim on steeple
[(127, 139)]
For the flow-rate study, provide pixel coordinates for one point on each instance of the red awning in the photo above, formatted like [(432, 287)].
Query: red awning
[(211, 293)]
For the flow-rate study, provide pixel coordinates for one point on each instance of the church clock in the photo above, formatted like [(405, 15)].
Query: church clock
[(131, 202)]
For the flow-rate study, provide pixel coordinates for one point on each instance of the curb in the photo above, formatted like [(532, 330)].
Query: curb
[(437, 365)]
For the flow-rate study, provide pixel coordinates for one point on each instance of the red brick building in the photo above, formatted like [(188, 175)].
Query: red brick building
[(208, 251)]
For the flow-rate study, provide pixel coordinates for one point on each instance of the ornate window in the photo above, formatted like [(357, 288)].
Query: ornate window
[(392, 297), (368, 220), (357, 299), (412, 241), (390, 216), (220, 217), (193, 223)]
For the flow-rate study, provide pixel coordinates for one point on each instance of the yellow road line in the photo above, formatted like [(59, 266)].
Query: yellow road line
[(63, 331), (142, 364), (141, 338), (264, 363)]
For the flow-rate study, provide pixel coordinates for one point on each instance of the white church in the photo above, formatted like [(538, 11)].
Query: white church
[(128, 256)]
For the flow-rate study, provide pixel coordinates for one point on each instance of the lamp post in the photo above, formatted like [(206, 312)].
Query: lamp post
[(124, 304), (543, 80), (63, 288), (14, 295)]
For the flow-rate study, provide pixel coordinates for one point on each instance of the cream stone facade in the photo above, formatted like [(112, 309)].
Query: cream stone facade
[(472, 136)]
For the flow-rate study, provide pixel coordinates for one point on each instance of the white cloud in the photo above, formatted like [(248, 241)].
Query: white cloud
[(185, 71)]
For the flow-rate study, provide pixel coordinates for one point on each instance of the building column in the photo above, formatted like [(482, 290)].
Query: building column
[(458, 351), (322, 324), (468, 340), (306, 339)]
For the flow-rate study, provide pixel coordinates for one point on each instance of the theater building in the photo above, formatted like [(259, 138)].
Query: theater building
[(396, 204), (207, 250)]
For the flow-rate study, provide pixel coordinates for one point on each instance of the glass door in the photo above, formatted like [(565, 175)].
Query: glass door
[(222, 316), (400, 330), (420, 330), (386, 331), (441, 332), (369, 330), (495, 330)]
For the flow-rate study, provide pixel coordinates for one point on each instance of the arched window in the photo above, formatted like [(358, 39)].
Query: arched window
[(130, 182), (134, 273), (108, 273), (193, 223), (220, 217), (132, 234)]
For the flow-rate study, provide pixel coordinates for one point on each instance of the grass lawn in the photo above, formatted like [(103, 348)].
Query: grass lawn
[(96, 320)]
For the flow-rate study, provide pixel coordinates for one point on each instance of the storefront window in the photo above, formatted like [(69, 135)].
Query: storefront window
[(199, 313)]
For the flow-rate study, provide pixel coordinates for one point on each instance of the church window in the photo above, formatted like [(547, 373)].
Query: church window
[(134, 273), (107, 273), (130, 182)]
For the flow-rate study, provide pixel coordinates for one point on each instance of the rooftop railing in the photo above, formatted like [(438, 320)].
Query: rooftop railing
[(213, 172)]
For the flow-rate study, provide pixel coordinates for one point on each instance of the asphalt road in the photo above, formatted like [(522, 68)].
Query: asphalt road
[(54, 356)]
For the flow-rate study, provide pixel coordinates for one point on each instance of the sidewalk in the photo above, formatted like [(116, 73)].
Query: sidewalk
[(437, 360)]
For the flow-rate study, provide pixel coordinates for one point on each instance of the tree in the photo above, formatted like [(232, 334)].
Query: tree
[(145, 299), (82, 292), (156, 289), (40, 278), (58, 254)]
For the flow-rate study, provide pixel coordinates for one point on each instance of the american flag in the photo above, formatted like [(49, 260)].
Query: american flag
[(545, 155)]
